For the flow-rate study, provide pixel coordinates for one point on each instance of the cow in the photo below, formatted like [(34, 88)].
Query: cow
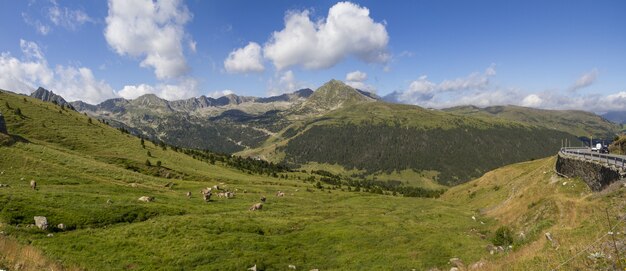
[(256, 206), (189, 194), (207, 197), (263, 199), (33, 184), (280, 194), (221, 195), (205, 190), (229, 195)]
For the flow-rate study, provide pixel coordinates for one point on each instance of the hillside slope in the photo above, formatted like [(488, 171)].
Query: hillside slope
[(384, 137), (531, 199), (89, 178), (575, 122)]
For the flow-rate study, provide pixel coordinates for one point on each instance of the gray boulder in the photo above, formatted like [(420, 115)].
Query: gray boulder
[(41, 222)]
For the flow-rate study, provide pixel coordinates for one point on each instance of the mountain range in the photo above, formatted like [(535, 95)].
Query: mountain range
[(356, 130)]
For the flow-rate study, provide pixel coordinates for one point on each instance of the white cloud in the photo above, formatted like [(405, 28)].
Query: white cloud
[(287, 82), (585, 80), (220, 93), (532, 100), (185, 88), (348, 30), (356, 80), (150, 30), (73, 83), (41, 28), (422, 89), (68, 18), (244, 60), (357, 76)]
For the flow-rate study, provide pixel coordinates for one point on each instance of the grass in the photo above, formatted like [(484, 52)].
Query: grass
[(84, 183)]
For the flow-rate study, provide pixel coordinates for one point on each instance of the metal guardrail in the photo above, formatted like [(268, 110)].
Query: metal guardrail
[(619, 161)]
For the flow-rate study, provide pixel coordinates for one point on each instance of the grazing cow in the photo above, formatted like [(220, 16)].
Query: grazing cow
[(205, 190), (220, 195), (189, 194), (230, 195), (256, 206), (33, 184), (280, 194), (207, 197), (216, 187), (263, 199)]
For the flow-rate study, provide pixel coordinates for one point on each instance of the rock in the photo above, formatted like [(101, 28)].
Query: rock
[(61, 226), (146, 199), (314, 269), (291, 266), (480, 265), (456, 262), (454, 269), (3, 185), (41, 222), (553, 241), (109, 201), (522, 235), (252, 268), (50, 235), (133, 185), (3, 125)]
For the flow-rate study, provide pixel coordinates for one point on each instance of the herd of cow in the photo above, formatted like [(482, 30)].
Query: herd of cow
[(221, 193)]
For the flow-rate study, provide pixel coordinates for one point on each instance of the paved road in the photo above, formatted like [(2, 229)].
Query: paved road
[(586, 153)]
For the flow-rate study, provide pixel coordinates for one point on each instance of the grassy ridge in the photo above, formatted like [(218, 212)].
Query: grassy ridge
[(76, 165)]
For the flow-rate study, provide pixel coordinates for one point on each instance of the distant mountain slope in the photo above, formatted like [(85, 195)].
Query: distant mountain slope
[(379, 136), (618, 117), (575, 122)]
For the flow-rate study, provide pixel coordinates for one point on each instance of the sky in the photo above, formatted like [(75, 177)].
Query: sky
[(439, 53)]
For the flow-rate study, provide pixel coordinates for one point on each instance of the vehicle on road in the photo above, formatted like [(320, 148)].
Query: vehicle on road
[(604, 149), (597, 147)]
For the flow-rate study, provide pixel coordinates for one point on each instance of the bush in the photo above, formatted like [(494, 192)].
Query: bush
[(503, 237)]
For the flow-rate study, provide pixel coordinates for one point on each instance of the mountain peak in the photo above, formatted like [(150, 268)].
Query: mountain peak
[(334, 94), (48, 96)]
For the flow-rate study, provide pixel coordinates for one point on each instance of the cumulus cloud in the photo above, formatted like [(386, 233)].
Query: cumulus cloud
[(185, 88), (245, 60), (348, 30), (151, 30), (356, 79), (422, 89), (584, 80), (26, 74), (357, 76), (220, 93), (285, 82)]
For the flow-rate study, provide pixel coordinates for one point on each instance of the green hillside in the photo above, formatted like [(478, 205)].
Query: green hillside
[(90, 176), (575, 122), (384, 137)]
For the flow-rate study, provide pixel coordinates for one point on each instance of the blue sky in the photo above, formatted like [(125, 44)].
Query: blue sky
[(547, 54)]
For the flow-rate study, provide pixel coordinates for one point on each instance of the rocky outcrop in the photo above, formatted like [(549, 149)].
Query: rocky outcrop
[(49, 96), (596, 175), (3, 125), (41, 222)]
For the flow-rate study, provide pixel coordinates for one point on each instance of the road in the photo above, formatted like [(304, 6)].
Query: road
[(586, 153)]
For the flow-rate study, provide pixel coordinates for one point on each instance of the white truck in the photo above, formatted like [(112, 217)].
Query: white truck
[(597, 147)]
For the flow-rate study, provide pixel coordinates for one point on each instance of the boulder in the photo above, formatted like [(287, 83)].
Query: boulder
[(456, 262), (61, 226), (3, 125), (480, 265), (146, 199), (41, 222)]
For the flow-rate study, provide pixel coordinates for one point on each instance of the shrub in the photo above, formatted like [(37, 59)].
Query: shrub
[(503, 236)]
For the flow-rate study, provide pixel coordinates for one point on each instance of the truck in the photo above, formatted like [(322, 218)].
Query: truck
[(597, 147)]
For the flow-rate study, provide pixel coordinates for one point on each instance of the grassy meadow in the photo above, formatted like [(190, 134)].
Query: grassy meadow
[(90, 176)]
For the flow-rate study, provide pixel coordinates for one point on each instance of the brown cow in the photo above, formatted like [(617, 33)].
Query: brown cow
[(207, 197)]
